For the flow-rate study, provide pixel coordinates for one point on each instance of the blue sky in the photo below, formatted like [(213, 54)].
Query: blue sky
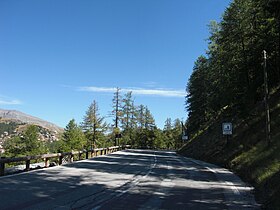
[(57, 56)]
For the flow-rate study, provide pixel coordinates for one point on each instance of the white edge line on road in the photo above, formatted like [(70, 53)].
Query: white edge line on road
[(232, 186)]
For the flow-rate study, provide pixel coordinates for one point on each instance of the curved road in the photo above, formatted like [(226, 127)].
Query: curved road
[(132, 179)]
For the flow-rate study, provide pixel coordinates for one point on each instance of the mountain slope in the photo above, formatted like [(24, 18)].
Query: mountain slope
[(18, 116)]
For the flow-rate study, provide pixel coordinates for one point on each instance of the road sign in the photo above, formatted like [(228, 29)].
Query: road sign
[(227, 128), (185, 138)]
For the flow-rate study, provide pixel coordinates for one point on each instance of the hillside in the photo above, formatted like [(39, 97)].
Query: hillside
[(246, 153), (14, 123), (28, 119)]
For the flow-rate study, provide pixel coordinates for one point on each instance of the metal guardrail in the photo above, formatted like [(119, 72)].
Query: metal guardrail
[(60, 156)]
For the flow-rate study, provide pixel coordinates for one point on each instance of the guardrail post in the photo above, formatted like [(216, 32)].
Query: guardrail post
[(27, 165), (47, 162), (47, 157), (60, 160), (71, 158), (2, 167)]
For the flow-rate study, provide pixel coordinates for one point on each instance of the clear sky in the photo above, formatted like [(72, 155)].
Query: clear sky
[(57, 56)]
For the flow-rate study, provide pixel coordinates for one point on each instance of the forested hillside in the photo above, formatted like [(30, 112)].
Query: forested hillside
[(227, 85), (231, 73), (246, 152)]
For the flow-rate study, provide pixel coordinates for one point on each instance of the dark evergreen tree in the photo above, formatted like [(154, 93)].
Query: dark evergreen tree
[(231, 76), (197, 98), (73, 137)]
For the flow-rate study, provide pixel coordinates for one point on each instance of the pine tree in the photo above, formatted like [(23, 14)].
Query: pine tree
[(129, 119), (73, 137), (117, 113), (231, 76), (127, 110), (141, 117), (168, 124), (167, 131), (149, 119), (177, 133), (94, 125), (197, 98)]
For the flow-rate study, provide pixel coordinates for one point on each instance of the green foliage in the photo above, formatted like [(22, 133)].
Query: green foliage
[(94, 126), (247, 153), (227, 84), (136, 124), (117, 111), (160, 139), (145, 138), (73, 138), (7, 127), (14, 147), (128, 118), (27, 144), (56, 146), (232, 73), (197, 99), (172, 134)]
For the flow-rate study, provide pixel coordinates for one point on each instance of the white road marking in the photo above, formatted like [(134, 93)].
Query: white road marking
[(233, 188)]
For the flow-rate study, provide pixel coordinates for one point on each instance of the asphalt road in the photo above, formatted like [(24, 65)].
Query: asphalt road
[(132, 179)]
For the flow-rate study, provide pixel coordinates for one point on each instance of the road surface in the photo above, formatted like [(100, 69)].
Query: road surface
[(132, 179)]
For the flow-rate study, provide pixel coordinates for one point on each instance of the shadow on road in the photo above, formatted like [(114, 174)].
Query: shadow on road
[(133, 179)]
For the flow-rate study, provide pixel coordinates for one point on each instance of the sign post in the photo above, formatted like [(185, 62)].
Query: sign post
[(184, 133), (227, 129)]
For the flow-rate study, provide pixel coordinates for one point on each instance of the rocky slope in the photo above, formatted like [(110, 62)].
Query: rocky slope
[(28, 119), (14, 123)]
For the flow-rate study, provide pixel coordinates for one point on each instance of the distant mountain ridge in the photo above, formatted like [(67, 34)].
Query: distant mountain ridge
[(25, 118)]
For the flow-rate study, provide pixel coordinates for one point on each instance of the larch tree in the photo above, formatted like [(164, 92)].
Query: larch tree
[(94, 125)]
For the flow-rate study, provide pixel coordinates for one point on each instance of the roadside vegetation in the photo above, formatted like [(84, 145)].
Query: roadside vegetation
[(246, 152), (227, 85), (131, 124)]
